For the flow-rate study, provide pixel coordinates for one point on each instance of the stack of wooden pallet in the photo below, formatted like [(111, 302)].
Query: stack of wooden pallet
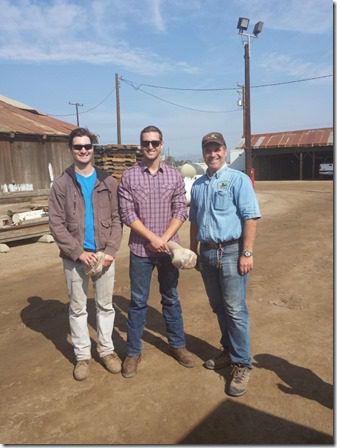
[(116, 158)]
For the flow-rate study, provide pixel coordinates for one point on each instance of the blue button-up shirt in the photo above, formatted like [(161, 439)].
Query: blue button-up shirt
[(220, 204)]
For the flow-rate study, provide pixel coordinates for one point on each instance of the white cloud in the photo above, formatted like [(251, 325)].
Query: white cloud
[(281, 63), (64, 31)]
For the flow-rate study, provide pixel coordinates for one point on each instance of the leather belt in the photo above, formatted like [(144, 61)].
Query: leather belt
[(212, 245)]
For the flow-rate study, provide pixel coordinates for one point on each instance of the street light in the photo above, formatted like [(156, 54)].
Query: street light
[(242, 26)]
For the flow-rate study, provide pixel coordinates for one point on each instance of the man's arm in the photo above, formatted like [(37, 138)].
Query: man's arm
[(248, 240)]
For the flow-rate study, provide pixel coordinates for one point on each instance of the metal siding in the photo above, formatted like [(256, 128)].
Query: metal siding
[(308, 138), (13, 119)]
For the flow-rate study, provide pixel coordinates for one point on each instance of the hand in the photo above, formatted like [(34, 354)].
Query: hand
[(88, 258), (157, 244), (108, 259), (245, 264)]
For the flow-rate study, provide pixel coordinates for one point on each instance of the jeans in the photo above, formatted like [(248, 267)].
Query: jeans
[(140, 271), (77, 284), (226, 290)]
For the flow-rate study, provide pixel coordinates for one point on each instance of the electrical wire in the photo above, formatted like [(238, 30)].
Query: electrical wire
[(130, 83), (222, 88), (135, 87), (85, 111)]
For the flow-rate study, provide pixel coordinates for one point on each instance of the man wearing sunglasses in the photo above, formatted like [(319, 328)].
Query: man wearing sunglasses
[(153, 204), (85, 222)]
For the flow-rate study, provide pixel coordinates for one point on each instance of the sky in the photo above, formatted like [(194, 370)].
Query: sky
[(180, 66)]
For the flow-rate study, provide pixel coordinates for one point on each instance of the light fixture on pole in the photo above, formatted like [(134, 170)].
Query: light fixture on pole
[(242, 26)]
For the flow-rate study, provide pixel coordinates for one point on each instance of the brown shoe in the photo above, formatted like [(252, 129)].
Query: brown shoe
[(112, 362), (183, 356), (130, 365), (81, 370), (239, 383)]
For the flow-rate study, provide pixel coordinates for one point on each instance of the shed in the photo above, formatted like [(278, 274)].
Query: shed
[(30, 144), (291, 155)]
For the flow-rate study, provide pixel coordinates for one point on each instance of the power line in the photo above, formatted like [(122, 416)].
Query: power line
[(188, 89), (222, 88), (85, 111), (130, 83)]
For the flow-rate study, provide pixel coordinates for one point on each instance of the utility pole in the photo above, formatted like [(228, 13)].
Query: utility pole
[(242, 26), (118, 113), (247, 126), (77, 116)]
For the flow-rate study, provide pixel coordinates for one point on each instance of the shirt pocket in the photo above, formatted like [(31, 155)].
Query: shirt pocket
[(166, 192), (140, 193), (222, 200)]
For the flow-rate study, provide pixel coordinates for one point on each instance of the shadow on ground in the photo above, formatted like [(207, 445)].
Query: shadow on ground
[(235, 423), (50, 318), (300, 381)]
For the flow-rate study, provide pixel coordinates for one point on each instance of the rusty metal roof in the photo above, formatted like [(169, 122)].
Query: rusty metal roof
[(15, 118), (292, 139)]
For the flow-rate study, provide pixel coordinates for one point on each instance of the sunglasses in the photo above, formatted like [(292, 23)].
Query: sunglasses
[(79, 147), (154, 143)]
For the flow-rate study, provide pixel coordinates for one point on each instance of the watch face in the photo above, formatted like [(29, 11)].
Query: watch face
[(246, 253)]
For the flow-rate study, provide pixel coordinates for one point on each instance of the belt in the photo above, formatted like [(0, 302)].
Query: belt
[(212, 245)]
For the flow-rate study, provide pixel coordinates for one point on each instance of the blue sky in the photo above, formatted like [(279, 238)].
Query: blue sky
[(53, 52)]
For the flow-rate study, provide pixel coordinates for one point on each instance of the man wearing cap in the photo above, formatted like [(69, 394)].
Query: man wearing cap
[(223, 214)]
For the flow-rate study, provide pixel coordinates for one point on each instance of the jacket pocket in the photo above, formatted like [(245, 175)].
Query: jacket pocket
[(105, 230), (72, 227)]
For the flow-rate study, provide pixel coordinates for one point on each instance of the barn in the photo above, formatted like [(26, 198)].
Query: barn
[(33, 146)]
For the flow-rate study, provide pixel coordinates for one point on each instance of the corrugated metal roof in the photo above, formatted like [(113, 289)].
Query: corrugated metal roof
[(20, 120), (306, 137)]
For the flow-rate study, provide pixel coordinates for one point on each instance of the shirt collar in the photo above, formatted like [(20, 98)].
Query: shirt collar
[(145, 168), (217, 173)]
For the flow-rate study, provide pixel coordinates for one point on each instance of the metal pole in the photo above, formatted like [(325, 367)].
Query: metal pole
[(247, 128), (118, 116)]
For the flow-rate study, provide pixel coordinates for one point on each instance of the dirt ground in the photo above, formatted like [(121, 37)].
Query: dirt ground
[(290, 396)]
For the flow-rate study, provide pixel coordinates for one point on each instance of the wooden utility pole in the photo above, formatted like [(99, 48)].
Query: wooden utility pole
[(247, 128), (77, 115), (118, 113)]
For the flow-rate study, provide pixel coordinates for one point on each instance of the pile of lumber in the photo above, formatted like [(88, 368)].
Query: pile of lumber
[(24, 220), (115, 159)]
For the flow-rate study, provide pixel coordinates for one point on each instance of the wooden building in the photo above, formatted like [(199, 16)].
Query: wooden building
[(31, 146)]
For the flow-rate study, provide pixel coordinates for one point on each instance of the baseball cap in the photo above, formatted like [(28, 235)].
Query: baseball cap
[(213, 137)]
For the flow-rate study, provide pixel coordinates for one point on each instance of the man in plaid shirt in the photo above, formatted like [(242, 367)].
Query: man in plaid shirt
[(153, 204)]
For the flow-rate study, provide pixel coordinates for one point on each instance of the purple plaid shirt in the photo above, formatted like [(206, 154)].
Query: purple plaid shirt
[(153, 199)]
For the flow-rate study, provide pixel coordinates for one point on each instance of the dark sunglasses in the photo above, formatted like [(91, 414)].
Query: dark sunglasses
[(79, 147), (154, 143)]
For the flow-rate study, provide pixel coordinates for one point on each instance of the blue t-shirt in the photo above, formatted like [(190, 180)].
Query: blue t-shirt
[(220, 204), (87, 186)]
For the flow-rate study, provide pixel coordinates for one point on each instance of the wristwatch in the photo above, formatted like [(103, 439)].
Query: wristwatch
[(247, 253)]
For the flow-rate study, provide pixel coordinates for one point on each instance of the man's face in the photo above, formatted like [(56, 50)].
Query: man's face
[(151, 145), (82, 150), (214, 156)]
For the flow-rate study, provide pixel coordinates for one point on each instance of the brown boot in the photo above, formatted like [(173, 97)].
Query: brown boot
[(183, 356), (81, 370), (130, 364), (112, 363)]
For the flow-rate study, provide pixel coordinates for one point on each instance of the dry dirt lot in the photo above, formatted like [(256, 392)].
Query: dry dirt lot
[(290, 396)]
